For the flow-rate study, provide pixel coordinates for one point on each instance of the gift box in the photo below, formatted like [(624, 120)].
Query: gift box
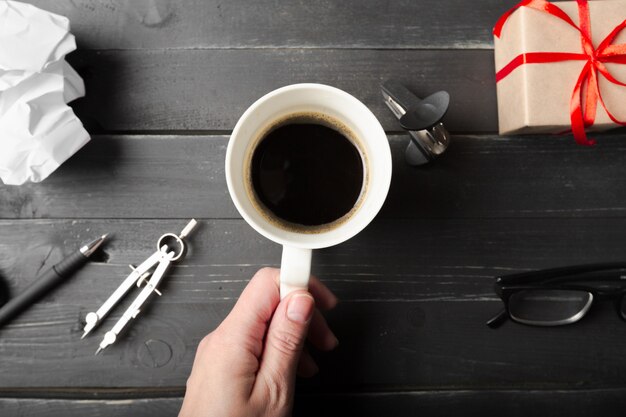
[(561, 66)]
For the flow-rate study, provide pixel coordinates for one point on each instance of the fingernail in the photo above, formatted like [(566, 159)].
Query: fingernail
[(300, 308)]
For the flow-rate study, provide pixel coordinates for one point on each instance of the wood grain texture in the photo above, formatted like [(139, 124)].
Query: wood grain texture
[(167, 24), (478, 177), (416, 285), (415, 297), (140, 407), (210, 89), (513, 403), (466, 403)]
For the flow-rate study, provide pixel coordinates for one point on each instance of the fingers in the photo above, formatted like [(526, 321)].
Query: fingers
[(284, 342), (247, 322), (320, 334), (324, 298), (320, 337), (307, 366)]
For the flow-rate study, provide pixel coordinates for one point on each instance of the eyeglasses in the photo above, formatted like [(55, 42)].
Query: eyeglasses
[(558, 296)]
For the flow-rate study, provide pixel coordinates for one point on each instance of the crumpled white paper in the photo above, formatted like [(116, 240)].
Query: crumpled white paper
[(38, 131)]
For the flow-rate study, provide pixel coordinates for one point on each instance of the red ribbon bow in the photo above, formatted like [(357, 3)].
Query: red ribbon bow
[(587, 83)]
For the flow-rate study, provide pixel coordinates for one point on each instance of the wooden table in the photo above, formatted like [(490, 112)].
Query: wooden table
[(166, 82)]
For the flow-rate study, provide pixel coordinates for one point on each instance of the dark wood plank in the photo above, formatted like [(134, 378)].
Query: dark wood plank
[(210, 89), (469, 403), (479, 177), (156, 24), (572, 403), (131, 176), (415, 285), (140, 407), (415, 297), (466, 403)]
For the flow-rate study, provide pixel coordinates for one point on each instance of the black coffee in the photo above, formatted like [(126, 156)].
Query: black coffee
[(307, 173)]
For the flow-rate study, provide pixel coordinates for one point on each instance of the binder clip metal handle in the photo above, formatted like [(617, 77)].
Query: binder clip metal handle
[(421, 118)]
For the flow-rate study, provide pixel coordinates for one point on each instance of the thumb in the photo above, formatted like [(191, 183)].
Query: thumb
[(284, 342)]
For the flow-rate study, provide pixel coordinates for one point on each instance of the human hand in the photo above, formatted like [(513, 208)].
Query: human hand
[(247, 366)]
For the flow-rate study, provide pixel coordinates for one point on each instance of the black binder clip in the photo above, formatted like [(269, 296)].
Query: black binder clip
[(421, 118)]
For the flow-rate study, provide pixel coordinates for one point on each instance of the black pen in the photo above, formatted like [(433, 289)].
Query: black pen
[(45, 282)]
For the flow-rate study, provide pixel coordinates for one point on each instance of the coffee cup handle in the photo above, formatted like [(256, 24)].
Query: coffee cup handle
[(295, 270)]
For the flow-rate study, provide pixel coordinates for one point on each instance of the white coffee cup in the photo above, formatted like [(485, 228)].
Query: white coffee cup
[(371, 141)]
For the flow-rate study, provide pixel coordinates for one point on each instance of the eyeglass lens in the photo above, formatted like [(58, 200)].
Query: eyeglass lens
[(550, 307)]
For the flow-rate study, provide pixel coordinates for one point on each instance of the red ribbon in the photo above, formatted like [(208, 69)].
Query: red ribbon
[(587, 84)]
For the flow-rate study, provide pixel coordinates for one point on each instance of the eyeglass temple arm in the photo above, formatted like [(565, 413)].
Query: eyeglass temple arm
[(545, 274), (497, 320)]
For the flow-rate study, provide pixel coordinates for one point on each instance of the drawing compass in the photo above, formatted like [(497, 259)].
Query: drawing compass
[(170, 248)]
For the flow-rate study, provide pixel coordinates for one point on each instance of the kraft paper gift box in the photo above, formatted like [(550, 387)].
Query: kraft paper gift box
[(536, 84)]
